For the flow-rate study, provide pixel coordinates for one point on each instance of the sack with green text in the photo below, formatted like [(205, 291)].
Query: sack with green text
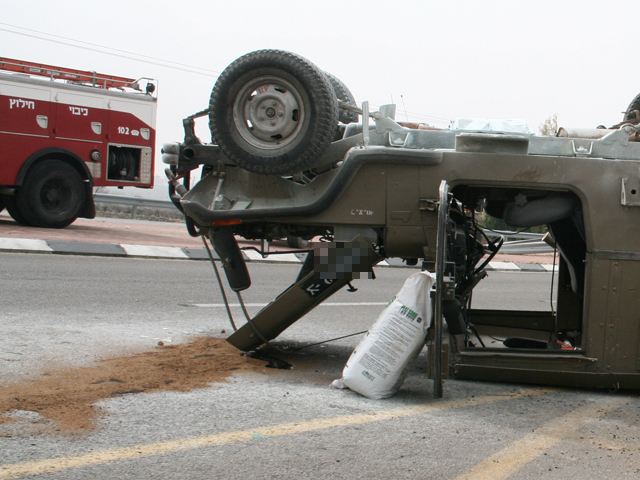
[(377, 367)]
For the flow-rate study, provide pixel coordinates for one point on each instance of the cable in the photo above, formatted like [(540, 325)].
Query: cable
[(115, 52), (475, 332), (103, 46), (248, 317), (224, 295), (279, 252), (553, 311), (495, 250), (327, 341), (255, 329), (425, 117), (285, 350), (175, 65), (553, 274), (406, 114), (242, 305)]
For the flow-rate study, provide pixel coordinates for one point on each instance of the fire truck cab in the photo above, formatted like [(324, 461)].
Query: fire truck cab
[(64, 131)]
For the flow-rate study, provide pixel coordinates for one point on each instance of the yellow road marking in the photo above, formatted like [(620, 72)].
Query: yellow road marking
[(512, 458), (39, 467)]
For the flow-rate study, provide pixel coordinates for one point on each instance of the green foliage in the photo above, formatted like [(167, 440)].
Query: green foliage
[(550, 126), (493, 223)]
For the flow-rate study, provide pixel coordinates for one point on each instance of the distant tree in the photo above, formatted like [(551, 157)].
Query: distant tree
[(550, 126), (493, 223)]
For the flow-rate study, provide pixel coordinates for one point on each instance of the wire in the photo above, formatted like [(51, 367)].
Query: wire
[(285, 350), (404, 107), (553, 311), (224, 295), (248, 317), (279, 252), (553, 274), (241, 301), (423, 116), (477, 335), (255, 328), (115, 52), (327, 341), (121, 53), (494, 250)]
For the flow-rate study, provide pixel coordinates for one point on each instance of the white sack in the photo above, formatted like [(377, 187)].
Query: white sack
[(376, 368)]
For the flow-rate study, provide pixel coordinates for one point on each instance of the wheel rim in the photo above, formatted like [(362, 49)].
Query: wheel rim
[(55, 196), (269, 112)]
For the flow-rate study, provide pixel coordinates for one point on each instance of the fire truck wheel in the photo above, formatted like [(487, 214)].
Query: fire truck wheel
[(1, 204), (632, 115), (10, 202), (52, 195), (343, 94), (273, 112)]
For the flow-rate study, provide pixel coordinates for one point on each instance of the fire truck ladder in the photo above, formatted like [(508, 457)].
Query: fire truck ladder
[(76, 76)]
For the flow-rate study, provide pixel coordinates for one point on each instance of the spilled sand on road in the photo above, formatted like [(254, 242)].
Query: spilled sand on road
[(64, 399)]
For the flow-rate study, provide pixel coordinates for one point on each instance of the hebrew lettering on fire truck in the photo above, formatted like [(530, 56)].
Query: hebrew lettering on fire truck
[(64, 131)]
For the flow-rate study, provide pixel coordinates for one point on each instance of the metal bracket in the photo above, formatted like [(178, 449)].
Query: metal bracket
[(190, 137), (441, 258), (429, 204), (621, 136), (385, 124), (630, 193), (582, 148), (365, 123), (348, 107)]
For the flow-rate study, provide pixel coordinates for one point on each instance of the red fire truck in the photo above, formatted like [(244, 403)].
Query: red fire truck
[(64, 131)]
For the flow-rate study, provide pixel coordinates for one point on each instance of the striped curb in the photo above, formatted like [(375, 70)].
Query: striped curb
[(27, 245)]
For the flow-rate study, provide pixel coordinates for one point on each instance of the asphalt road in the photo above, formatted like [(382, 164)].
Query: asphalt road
[(284, 424), (73, 309)]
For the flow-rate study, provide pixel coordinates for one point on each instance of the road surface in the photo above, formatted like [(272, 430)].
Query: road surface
[(64, 312)]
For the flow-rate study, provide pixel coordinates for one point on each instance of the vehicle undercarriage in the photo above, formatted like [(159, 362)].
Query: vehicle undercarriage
[(289, 158)]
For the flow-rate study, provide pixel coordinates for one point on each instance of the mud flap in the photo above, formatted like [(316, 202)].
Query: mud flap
[(295, 302), (235, 267), (89, 208)]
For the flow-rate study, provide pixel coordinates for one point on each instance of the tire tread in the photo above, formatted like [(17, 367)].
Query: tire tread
[(323, 111)]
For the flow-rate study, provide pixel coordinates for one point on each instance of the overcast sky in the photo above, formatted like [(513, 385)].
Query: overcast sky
[(443, 59)]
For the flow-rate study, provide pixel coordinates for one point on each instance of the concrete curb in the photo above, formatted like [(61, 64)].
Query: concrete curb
[(27, 245)]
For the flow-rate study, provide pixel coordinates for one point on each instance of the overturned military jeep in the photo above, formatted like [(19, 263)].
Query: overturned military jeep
[(292, 155)]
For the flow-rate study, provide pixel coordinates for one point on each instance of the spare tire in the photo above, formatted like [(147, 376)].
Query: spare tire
[(273, 112), (344, 95), (632, 115)]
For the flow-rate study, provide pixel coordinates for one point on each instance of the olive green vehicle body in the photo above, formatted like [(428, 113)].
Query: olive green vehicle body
[(384, 187)]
